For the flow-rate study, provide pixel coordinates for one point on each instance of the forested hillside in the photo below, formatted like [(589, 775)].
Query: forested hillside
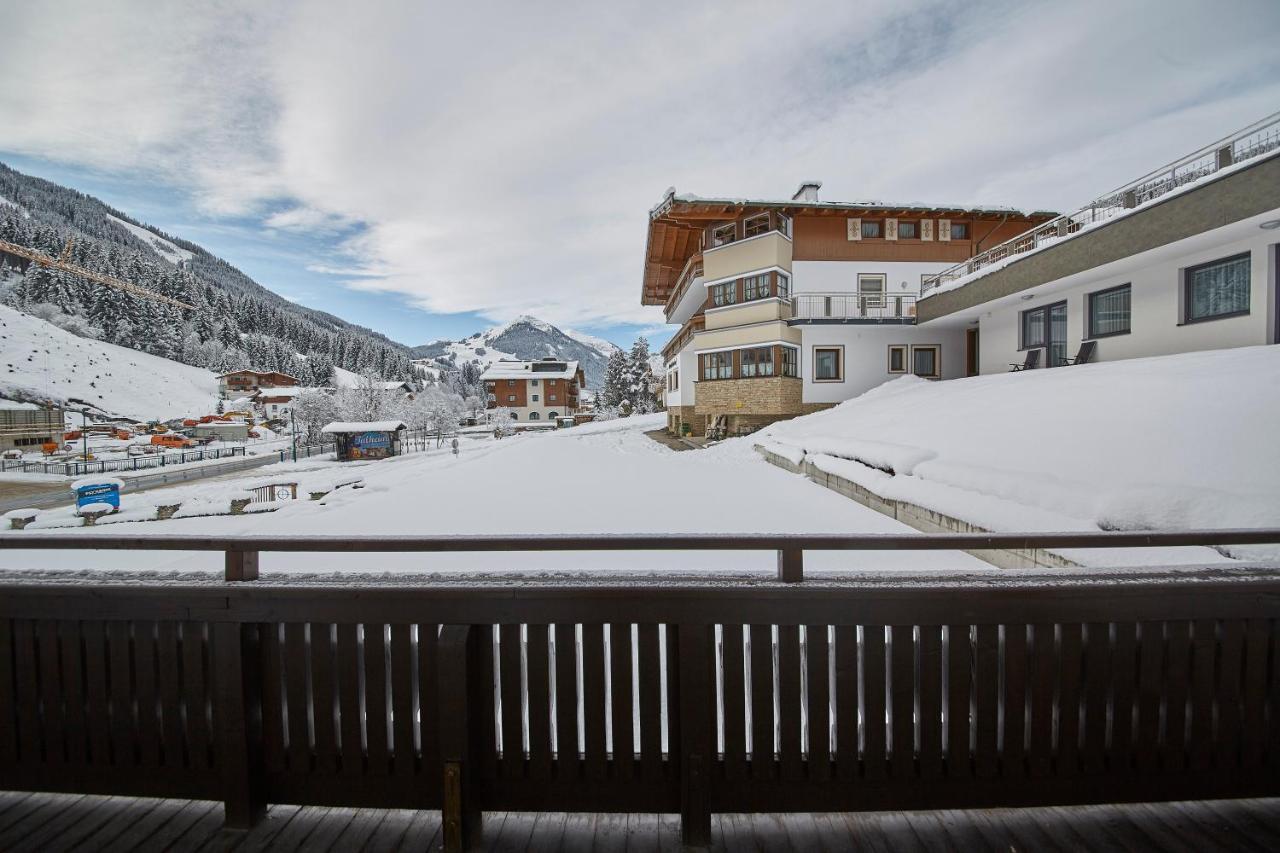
[(235, 322)]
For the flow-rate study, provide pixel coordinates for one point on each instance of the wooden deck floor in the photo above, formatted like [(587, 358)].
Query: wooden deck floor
[(59, 822)]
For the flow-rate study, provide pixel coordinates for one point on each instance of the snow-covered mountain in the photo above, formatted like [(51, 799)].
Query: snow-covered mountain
[(523, 338)]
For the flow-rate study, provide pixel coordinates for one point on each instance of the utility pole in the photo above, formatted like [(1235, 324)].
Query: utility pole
[(293, 433), (84, 434)]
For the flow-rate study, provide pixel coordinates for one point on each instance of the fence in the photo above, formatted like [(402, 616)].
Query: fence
[(689, 694), (132, 463), (894, 307)]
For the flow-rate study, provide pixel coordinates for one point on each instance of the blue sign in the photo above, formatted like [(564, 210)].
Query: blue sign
[(371, 440), (98, 493)]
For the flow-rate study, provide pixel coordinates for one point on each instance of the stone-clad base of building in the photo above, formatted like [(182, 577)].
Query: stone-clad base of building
[(679, 415), (749, 404), (740, 420)]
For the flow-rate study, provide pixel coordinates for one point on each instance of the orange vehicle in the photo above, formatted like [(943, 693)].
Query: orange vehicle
[(49, 447), (190, 422), (123, 434), (172, 441), (73, 435)]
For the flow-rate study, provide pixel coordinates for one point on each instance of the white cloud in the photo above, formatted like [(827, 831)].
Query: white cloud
[(503, 159)]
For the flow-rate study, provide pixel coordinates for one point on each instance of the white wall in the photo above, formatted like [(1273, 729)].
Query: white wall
[(842, 276), (687, 359), (1156, 311), (866, 355)]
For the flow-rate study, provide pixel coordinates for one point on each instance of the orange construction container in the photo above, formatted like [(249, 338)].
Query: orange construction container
[(172, 441)]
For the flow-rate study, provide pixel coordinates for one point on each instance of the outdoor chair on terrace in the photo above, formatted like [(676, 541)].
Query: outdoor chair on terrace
[(1084, 355), (1032, 362)]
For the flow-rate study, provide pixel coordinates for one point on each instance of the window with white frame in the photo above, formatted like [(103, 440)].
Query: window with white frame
[(722, 235), (871, 291), (754, 226), (1217, 289), (755, 287)]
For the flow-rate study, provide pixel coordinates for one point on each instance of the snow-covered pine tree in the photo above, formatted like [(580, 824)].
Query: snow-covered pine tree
[(615, 380), (640, 390)]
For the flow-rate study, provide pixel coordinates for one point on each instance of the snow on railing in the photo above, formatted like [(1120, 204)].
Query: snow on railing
[(1259, 138)]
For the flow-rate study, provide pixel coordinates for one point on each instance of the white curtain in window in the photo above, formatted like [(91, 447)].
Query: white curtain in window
[(1221, 288)]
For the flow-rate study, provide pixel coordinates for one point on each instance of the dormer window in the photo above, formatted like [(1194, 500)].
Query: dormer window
[(722, 235)]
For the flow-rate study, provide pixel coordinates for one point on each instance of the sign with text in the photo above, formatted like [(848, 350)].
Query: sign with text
[(88, 494)]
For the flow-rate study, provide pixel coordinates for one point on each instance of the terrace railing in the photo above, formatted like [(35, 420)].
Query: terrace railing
[(853, 306), (1259, 138), (654, 693)]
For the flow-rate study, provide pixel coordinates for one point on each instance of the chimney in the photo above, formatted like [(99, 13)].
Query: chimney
[(808, 191)]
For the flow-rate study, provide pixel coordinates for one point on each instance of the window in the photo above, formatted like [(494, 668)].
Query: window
[(535, 398), (724, 294), (533, 381), (552, 415), (1109, 312), (722, 235), (511, 383), (870, 291), (1217, 289), (908, 230), (784, 285), (897, 358), (827, 364), (757, 361), (925, 362), (515, 416), (551, 398), (717, 365), (755, 226), (959, 230), (755, 287), (1033, 323), (533, 416), (511, 398), (790, 361), (784, 224), (872, 228)]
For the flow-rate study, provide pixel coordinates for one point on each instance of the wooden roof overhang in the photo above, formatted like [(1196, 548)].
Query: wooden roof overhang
[(676, 225)]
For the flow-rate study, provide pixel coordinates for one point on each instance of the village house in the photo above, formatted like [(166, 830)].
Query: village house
[(242, 383), (534, 391), (790, 306)]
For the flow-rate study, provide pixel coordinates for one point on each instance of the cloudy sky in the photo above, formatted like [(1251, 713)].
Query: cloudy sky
[(426, 169)]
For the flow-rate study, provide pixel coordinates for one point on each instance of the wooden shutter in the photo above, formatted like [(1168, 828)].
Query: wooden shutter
[(926, 229), (944, 230), (891, 229), (853, 228)]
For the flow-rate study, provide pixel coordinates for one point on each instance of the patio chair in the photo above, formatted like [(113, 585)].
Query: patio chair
[(1031, 363), (1084, 355)]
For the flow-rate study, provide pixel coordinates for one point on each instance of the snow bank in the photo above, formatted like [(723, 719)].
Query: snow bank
[(1166, 443)]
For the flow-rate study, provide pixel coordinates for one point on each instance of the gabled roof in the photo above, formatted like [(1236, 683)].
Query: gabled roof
[(363, 426)]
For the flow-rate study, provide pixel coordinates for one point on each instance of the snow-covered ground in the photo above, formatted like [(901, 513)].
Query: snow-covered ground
[(1168, 443), (597, 478), (162, 247), (39, 361)]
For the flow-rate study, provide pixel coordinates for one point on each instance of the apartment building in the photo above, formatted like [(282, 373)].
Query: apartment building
[(534, 391), (789, 306), (29, 427), (1182, 259)]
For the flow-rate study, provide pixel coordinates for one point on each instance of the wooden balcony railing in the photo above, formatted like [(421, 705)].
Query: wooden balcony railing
[(692, 270), (691, 327), (642, 693)]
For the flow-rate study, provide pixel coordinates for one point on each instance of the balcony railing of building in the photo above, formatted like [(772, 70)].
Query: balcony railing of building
[(1259, 138), (694, 325), (887, 307), (652, 693), (692, 269)]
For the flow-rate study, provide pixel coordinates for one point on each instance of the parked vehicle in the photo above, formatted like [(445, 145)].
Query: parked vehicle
[(177, 441), (11, 453)]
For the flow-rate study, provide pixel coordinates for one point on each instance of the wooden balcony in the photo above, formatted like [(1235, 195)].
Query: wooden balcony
[(692, 326), (692, 270)]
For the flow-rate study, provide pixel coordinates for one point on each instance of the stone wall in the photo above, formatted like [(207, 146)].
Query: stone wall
[(677, 415), (749, 403)]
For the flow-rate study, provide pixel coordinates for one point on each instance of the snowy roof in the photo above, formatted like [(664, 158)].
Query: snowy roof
[(289, 392), (553, 369), (363, 426), (672, 197)]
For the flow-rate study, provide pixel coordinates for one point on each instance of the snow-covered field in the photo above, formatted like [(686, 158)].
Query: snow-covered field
[(597, 478), (1169, 443), (39, 361)]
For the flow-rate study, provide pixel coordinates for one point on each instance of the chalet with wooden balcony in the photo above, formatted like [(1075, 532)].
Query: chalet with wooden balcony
[(789, 306)]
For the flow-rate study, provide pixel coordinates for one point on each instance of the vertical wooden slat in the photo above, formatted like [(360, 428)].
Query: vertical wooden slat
[(734, 688), (510, 688), (674, 756), (195, 694), (846, 702), (818, 699), (123, 745), (1097, 680), (50, 669), (8, 703), (1253, 734), (27, 692), (929, 704), (144, 652), (1203, 649), (237, 677), (429, 703), (1273, 721), (566, 701), (873, 701), (762, 760), (297, 697), (650, 683), (1123, 681), (959, 698), (902, 653), (1013, 737), (376, 712), (986, 701), (539, 689), (169, 658), (349, 699), (324, 698), (1042, 680), (402, 712), (485, 708), (1177, 687), (690, 655), (594, 702), (99, 711), (1151, 683), (1069, 676), (73, 685), (273, 721), (1230, 669), (624, 754), (789, 701)]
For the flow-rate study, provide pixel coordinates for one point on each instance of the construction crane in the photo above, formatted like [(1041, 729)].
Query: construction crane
[(64, 263)]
